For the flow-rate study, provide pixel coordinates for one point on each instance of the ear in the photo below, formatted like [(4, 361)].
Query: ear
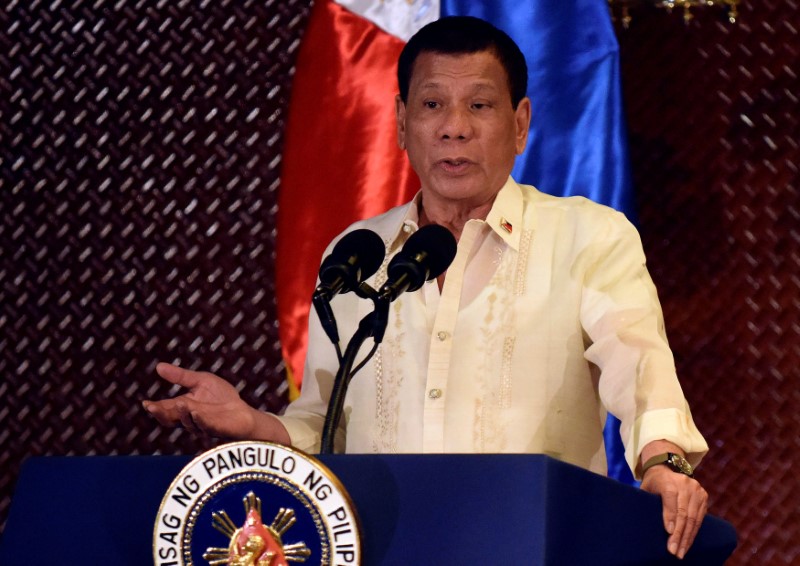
[(522, 122), (400, 118)]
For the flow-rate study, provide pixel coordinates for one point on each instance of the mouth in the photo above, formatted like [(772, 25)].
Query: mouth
[(454, 164)]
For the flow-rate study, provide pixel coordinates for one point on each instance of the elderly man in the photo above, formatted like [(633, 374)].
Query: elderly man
[(546, 318)]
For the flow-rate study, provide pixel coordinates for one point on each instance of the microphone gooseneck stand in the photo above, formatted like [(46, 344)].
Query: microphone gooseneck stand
[(425, 256), (371, 326)]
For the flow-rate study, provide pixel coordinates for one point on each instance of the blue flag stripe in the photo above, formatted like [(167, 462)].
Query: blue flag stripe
[(577, 144)]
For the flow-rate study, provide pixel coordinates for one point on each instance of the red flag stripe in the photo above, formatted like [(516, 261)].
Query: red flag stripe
[(339, 164)]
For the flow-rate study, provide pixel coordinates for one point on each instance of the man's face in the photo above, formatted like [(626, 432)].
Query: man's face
[(459, 127)]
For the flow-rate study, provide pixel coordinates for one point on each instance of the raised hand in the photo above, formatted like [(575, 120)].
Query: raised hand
[(212, 407)]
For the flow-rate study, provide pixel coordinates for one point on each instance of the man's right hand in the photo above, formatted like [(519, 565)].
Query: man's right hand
[(212, 407)]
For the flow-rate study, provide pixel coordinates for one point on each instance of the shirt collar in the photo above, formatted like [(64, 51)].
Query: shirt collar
[(408, 225), (505, 217)]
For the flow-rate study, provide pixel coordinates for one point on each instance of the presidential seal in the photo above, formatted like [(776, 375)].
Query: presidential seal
[(256, 504)]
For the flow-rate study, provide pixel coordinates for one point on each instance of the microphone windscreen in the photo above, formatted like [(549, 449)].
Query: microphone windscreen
[(364, 244), (356, 257), (437, 243)]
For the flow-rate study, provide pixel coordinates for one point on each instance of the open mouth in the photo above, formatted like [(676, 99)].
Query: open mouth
[(455, 164)]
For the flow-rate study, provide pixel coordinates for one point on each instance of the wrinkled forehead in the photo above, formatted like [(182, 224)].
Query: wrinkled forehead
[(430, 62)]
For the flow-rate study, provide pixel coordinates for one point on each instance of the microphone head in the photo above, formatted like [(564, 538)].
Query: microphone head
[(427, 253), (354, 259)]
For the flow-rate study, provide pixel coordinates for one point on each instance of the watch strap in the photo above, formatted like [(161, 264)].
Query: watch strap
[(675, 462)]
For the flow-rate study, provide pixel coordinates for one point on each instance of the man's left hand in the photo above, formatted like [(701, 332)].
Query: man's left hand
[(684, 505)]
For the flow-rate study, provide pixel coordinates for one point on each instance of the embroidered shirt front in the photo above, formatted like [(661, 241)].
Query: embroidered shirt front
[(547, 318)]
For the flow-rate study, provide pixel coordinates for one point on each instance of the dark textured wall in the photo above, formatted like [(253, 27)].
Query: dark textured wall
[(714, 123), (139, 158)]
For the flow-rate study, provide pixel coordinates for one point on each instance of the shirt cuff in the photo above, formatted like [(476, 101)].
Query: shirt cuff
[(673, 425)]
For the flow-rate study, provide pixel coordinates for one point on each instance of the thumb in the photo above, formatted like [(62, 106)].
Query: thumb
[(179, 376)]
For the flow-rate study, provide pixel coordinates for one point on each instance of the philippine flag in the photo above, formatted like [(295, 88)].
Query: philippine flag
[(341, 162)]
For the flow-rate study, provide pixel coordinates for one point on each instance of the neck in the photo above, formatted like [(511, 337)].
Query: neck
[(452, 216)]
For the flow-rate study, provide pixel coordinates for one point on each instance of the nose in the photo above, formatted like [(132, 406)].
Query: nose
[(456, 124)]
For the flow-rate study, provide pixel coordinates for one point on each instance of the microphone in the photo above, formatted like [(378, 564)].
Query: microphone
[(354, 258), (426, 254)]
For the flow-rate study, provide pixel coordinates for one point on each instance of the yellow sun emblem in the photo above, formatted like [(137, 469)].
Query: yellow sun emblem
[(254, 543)]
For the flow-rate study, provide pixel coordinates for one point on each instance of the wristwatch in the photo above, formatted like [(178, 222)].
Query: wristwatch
[(675, 462)]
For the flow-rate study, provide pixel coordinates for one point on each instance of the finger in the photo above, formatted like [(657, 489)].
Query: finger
[(681, 513), (164, 411), (172, 412), (669, 509), (697, 512), (179, 376), (186, 418)]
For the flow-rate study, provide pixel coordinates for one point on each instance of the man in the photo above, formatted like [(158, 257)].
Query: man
[(546, 317)]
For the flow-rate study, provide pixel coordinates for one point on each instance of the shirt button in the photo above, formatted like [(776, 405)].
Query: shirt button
[(442, 335), (435, 393), (407, 228)]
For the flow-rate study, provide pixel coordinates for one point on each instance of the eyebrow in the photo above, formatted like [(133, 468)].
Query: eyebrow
[(483, 85)]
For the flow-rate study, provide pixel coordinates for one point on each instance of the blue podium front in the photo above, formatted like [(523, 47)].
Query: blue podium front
[(413, 510)]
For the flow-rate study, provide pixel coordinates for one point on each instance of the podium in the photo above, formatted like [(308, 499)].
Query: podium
[(414, 510)]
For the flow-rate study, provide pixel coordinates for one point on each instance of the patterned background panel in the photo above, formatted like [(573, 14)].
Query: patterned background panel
[(140, 155), (714, 123), (140, 147)]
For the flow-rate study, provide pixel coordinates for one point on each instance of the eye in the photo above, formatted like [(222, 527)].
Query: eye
[(480, 105), (430, 104)]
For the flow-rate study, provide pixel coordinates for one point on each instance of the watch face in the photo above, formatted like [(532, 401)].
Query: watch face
[(681, 464)]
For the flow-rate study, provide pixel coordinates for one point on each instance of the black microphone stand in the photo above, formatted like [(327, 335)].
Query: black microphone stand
[(413, 265), (373, 325)]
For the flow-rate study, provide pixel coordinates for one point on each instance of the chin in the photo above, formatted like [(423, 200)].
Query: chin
[(464, 186)]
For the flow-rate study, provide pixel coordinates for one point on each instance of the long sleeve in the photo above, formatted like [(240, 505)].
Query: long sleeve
[(622, 317)]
